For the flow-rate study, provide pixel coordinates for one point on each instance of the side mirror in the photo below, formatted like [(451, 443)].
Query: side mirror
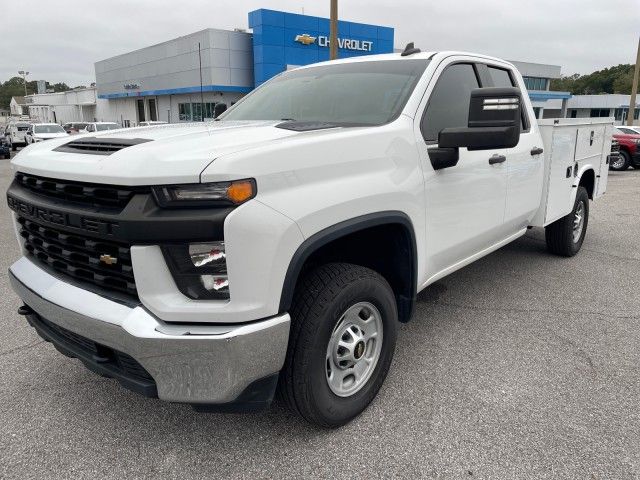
[(494, 122)]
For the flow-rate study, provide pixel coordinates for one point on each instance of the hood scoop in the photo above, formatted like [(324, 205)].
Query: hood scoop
[(99, 146)]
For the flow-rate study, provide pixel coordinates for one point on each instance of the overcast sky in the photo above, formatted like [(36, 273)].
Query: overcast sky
[(60, 41)]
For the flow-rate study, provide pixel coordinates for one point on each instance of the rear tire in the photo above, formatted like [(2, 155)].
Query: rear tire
[(13, 146), (565, 236), (343, 335), (621, 163)]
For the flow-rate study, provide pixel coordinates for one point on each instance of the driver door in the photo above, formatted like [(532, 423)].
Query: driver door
[(465, 204)]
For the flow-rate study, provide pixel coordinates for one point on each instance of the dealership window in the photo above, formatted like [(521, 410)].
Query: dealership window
[(192, 112), (599, 112), (140, 108), (573, 113), (153, 111), (535, 83)]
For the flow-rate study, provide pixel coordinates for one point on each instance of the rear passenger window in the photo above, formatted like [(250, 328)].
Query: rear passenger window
[(449, 102), (502, 78)]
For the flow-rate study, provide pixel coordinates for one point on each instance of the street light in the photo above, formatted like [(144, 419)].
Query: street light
[(24, 79)]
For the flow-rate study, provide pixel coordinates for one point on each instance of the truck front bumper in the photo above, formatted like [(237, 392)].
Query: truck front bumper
[(222, 367)]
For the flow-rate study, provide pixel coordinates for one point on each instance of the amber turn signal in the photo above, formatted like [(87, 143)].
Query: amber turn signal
[(241, 191)]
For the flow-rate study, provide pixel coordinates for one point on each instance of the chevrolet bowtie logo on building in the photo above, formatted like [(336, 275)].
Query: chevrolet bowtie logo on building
[(305, 39), (108, 259), (343, 43)]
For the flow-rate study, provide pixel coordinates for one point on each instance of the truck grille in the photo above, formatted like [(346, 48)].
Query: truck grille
[(79, 192), (615, 146), (103, 263)]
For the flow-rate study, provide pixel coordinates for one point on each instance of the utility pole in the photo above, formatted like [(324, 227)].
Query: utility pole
[(201, 96), (634, 89), (24, 80), (333, 30)]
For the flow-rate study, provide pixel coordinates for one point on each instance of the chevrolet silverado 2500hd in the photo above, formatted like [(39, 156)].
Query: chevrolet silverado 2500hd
[(278, 248)]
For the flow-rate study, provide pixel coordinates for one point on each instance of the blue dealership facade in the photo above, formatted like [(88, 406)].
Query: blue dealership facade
[(284, 40)]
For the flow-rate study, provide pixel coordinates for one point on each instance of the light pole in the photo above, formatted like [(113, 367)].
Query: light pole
[(24, 80), (634, 89)]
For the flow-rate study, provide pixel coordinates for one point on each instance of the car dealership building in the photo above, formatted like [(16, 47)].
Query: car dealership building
[(185, 78)]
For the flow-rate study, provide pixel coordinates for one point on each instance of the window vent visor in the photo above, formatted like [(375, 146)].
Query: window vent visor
[(99, 146)]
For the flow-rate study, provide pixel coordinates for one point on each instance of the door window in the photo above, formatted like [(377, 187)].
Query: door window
[(449, 102)]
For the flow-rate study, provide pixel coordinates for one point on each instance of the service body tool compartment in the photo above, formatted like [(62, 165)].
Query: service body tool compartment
[(571, 146)]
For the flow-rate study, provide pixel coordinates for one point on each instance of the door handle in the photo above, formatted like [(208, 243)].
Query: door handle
[(497, 159), (536, 151)]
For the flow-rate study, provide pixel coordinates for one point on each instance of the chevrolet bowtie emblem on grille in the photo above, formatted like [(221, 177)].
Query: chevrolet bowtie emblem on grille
[(108, 259), (305, 39)]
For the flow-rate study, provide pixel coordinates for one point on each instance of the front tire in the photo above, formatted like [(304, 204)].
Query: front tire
[(343, 335), (565, 236), (621, 163)]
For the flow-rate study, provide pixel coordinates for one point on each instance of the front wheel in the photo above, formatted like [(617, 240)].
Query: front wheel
[(343, 335), (565, 236)]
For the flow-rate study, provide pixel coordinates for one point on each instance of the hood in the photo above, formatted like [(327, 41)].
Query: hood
[(172, 153), (50, 135), (626, 136)]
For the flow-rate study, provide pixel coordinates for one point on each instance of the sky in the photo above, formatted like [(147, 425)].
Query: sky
[(60, 41)]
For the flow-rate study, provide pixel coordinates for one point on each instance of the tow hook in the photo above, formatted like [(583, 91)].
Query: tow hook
[(25, 310)]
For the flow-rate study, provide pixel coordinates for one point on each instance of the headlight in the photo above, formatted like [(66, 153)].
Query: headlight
[(638, 141), (205, 194), (199, 269)]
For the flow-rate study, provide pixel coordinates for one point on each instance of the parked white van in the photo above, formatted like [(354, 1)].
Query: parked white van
[(15, 133)]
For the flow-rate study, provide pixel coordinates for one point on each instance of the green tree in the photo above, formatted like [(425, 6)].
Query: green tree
[(609, 80)]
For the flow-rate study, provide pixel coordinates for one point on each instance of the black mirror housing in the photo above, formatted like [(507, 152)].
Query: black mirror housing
[(494, 121)]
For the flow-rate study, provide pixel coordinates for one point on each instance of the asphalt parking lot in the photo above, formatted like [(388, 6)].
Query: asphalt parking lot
[(522, 365)]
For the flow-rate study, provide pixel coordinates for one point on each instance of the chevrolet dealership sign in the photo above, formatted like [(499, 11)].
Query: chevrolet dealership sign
[(344, 43)]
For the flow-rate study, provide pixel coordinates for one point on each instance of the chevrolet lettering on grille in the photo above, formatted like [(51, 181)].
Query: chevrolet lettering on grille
[(93, 225)]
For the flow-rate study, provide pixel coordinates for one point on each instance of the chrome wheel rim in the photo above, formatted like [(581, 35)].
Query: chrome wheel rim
[(354, 349), (618, 162), (578, 222)]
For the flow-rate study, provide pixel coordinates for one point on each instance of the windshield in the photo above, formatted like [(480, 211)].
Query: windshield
[(48, 129), (106, 126), (359, 93)]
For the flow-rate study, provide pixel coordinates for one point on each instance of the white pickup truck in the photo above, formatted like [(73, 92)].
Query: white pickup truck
[(278, 248)]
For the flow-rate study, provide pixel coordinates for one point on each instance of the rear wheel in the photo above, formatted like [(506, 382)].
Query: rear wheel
[(13, 146), (343, 334), (565, 236), (621, 162)]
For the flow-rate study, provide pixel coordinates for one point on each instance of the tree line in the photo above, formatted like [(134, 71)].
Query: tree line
[(14, 87), (616, 79)]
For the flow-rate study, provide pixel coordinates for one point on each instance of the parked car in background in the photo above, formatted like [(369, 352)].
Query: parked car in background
[(74, 127), (5, 150), (629, 149), (627, 129), (15, 133), (39, 132), (100, 127), (152, 122)]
